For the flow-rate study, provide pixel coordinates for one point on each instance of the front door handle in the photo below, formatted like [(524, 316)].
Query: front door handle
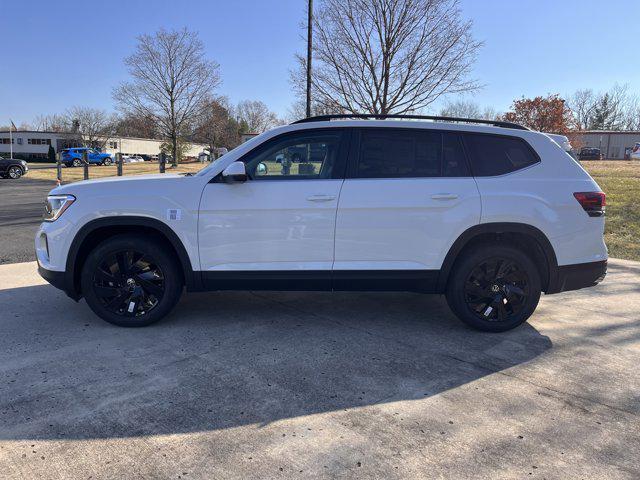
[(444, 196), (321, 198)]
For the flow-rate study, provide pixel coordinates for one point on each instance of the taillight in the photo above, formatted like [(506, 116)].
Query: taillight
[(592, 202)]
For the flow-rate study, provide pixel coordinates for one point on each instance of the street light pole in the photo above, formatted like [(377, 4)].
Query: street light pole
[(309, 45)]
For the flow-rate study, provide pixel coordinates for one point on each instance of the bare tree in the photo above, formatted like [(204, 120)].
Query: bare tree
[(632, 114), (217, 126), (50, 123), (388, 56), (615, 109), (582, 104), (132, 125), (171, 80), (256, 115), (468, 109), (94, 126)]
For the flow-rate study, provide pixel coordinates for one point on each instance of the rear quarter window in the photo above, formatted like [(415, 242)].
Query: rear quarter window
[(492, 155)]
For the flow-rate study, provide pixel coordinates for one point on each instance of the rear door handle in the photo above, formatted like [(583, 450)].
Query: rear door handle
[(321, 198), (444, 196)]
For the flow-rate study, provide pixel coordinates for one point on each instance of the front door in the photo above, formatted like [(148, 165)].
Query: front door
[(281, 220)]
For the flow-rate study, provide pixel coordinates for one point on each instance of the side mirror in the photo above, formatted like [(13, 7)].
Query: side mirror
[(235, 173)]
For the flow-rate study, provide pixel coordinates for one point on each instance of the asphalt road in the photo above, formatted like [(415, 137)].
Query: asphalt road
[(21, 209), (319, 385)]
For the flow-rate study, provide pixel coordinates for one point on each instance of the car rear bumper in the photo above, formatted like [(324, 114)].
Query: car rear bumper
[(577, 276)]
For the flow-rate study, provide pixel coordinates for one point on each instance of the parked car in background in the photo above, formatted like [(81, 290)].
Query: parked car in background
[(12, 168), (635, 153), (590, 153), (72, 157), (132, 159), (489, 213)]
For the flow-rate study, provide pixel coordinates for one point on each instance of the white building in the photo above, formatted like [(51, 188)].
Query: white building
[(32, 145)]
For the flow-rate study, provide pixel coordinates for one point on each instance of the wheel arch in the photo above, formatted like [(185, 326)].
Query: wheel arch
[(99, 229), (526, 237)]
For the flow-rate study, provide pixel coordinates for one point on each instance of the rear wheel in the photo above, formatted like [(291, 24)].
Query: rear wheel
[(494, 288), (107, 161), (14, 173), (77, 162), (131, 281)]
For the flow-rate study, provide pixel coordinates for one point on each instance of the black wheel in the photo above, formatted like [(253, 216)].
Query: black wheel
[(14, 172), (494, 288), (107, 162), (77, 162), (131, 281)]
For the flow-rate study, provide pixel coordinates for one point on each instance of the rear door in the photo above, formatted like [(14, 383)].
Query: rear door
[(407, 196)]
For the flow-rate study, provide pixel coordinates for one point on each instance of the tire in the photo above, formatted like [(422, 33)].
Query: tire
[(14, 172), (494, 288), (107, 161), (148, 291), (76, 162)]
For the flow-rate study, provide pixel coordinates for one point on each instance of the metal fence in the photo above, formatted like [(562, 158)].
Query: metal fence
[(162, 163)]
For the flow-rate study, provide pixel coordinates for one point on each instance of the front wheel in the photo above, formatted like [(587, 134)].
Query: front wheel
[(131, 281), (107, 161), (77, 162), (494, 288), (14, 173)]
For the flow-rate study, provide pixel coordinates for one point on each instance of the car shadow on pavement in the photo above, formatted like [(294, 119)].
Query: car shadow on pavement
[(228, 359)]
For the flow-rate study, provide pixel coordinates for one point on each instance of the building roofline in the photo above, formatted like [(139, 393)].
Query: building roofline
[(623, 132)]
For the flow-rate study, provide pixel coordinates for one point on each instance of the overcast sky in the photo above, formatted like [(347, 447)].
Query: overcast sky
[(69, 52)]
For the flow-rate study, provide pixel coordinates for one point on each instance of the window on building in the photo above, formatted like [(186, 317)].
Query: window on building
[(113, 145)]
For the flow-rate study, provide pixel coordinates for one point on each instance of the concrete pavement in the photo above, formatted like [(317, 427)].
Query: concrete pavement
[(318, 385), (21, 210)]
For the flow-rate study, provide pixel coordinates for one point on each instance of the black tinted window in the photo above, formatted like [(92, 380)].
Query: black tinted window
[(390, 153), (494, 155)]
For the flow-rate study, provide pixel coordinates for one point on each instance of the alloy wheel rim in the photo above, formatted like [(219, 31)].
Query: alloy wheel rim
[(129, 283), (497, 290), (14, 173)]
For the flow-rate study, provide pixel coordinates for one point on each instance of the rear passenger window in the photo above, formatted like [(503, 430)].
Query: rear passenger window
[(492, 155), (390, 153)]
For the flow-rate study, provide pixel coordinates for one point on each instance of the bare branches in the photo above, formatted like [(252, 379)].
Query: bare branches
[(170, 81), (388, 56), (615, 109), (256, 115)]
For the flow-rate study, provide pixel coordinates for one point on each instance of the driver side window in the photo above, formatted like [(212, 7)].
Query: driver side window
[(302, 155)]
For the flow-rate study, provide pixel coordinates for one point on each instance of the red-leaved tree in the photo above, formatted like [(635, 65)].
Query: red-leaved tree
[(547, 114)]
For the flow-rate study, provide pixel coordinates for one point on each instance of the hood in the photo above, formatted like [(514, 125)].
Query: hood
[(119, 183)]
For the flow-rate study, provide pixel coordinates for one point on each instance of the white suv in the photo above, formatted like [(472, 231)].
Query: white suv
[(488, 213)]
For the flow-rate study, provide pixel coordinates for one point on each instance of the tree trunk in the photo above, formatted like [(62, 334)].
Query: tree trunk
[(174, 150)]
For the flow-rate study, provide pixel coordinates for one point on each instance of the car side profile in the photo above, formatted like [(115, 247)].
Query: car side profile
[(72, 157), (12, 168), (490, 214)]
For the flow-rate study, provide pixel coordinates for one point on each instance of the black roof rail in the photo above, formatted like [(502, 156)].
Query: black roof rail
[(327, 118)]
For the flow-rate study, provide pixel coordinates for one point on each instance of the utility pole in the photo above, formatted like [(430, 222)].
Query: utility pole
[(309, 45)]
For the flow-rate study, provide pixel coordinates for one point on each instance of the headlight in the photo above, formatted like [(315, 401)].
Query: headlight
[(24, 164), (56, 205)]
